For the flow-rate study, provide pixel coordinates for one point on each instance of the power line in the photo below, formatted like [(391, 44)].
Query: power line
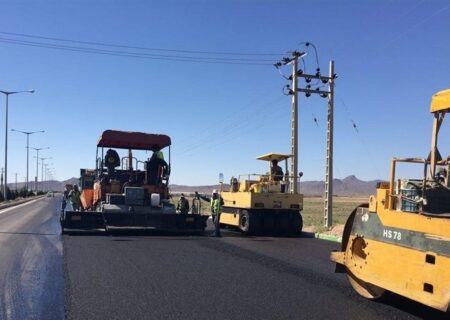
[(137, 47), (360, 136), (223, 133), (226, 120), (218, 60), (226, 132), (411, 26), (214, 57), (140, 54)]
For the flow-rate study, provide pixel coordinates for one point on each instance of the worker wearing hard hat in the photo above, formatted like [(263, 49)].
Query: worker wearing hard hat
[(216, 209), (74, 197), (154, 166), (183, 205)]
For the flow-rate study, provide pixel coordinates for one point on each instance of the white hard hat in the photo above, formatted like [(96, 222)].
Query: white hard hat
[(214, 191)]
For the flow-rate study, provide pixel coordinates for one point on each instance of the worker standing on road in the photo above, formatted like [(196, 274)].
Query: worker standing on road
[(216, 209), (74, 197), (183, 205)]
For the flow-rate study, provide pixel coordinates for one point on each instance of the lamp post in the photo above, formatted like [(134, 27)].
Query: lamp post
[(28, 146), (47, 175), (42, 170), (37, 166), (7, 94)]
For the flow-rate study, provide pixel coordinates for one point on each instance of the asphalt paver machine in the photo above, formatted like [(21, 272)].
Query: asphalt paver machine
[(125, 192)]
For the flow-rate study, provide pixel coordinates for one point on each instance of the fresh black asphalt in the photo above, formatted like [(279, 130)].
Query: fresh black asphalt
[(158, 276), (150, 275)]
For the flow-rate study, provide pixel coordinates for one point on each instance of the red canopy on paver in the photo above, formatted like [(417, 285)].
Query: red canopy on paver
[(133, 140)]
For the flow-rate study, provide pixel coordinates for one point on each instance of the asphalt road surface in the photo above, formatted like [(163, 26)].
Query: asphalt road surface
[(31, 264), (157, 276), (161, 276)]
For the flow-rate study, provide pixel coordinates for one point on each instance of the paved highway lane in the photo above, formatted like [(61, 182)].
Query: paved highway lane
[(31, 268), (154, 276)]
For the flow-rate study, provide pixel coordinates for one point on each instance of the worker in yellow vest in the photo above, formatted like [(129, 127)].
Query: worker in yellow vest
[(216, 210)]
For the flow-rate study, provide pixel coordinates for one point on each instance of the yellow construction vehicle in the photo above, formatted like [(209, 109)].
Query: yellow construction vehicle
[(400, 240), (261, 203)]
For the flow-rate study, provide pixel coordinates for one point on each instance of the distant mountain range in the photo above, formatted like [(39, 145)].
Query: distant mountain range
[(49, 185), (349, 186)]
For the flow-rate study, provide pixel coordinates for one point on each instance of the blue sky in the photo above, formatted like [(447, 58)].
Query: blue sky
[(390, 56)]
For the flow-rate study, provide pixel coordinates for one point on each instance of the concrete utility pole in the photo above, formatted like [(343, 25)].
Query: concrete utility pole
[(293, 185), (294, 129), (328, 194), (328, 210), (308, 90)]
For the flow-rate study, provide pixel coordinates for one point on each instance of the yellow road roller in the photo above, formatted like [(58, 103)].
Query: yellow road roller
[(400, 240), (261, 203)]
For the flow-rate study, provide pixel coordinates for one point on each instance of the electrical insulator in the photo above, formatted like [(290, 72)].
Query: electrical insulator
[(287, 90)]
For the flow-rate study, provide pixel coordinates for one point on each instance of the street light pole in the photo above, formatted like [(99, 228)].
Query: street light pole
[(37, 167), (48, 177), (42, 170), (7, 93), (15, 185), (28, 147), (45, 186)]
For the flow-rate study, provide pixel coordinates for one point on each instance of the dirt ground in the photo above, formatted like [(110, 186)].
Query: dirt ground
[(313, 213)]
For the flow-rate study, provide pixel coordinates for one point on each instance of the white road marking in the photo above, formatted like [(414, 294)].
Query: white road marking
[(18, 206)]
